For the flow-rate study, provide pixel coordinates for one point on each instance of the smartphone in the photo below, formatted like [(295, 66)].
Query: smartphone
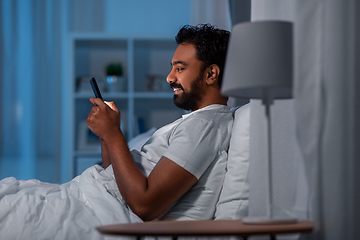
[(95, 88)]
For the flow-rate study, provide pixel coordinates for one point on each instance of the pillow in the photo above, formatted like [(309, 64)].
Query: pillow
[(138, 141), (135, 143), (234, 198)]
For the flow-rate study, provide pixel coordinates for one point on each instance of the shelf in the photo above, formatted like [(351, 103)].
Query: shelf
[(153, 95), (144, 97), (109, 96), (106, 96)]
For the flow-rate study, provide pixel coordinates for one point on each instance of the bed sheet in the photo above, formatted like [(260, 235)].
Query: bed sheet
[(36, 210)]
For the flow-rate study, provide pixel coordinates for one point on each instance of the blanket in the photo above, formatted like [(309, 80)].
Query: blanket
[(37, 210)]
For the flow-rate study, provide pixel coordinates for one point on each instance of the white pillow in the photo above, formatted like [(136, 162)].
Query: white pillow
[(135, 143), (138, 141), (234, 198)]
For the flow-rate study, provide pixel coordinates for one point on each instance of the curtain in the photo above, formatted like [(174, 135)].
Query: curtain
[(33, 46), (325, 113), (215, 12), (31, 87), (339, 157)]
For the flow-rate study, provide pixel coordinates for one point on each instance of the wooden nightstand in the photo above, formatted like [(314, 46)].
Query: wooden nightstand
[(204, 228)]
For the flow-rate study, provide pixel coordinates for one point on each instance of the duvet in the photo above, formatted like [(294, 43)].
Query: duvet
[(36, 210)]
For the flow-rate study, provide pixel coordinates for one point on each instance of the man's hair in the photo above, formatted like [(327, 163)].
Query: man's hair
[(210, 43)]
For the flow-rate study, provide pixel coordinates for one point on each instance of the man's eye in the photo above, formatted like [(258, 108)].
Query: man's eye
[(180, 69)]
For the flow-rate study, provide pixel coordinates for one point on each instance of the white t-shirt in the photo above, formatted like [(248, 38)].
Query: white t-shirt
[(198, 142)]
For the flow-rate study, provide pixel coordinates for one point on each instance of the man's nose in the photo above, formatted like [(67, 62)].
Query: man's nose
[(170, 78)]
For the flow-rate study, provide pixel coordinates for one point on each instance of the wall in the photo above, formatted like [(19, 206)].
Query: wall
[(156, 16), (33, 41), (137, 16)]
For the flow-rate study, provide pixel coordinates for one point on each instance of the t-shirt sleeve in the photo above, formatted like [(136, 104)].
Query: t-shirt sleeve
[(193, 145)]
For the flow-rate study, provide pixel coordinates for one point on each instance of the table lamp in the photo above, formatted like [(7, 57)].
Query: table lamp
[(259, 66)]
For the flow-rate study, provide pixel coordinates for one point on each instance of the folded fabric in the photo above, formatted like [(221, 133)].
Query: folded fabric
[(36, 210)]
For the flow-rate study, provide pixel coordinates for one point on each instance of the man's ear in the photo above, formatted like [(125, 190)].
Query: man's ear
[(212, 72)]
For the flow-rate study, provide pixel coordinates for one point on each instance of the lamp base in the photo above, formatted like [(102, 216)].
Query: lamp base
[(268, 221)]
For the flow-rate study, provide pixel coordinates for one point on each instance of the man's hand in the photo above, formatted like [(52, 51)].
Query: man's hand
[(104, 119)]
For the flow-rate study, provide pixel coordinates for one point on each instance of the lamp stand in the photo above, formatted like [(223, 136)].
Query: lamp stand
[(270, 219)]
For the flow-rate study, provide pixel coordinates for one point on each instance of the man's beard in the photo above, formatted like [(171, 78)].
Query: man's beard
[(189, 100)]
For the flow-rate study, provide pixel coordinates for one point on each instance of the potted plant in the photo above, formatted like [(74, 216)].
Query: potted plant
[(115, 80), (114, 69)]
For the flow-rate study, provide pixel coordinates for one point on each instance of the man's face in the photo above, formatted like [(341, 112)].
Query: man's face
[(186, 78)]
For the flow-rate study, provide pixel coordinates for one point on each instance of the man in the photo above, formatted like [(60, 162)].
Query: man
[(177, 175), (188, 156)]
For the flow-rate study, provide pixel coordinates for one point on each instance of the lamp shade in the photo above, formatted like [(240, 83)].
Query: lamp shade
[(259, 61)]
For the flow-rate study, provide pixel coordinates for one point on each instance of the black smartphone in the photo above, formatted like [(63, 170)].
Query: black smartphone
[(95, 88)]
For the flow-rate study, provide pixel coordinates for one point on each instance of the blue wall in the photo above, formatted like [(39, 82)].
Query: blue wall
[(33, 42), (155, 16)]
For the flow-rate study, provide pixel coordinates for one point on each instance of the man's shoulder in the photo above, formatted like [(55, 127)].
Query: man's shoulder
[(212, 113), (210, 117)]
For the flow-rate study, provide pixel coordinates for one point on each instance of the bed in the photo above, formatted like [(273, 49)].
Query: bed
[(35, 210)]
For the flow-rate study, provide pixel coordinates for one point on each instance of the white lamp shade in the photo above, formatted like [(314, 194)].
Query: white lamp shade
[(259, 61)]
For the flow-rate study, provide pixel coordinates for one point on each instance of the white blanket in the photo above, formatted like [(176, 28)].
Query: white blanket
[(36, 210)]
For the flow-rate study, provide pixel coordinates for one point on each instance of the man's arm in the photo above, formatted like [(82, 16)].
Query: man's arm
[(104, 154), (148, 197)]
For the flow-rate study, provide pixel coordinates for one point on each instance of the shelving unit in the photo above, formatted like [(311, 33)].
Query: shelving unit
[(145, 100)]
